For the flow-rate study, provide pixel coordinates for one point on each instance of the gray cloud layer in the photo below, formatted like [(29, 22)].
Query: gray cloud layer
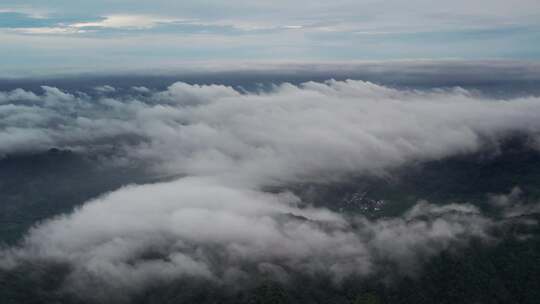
[(230, 145)]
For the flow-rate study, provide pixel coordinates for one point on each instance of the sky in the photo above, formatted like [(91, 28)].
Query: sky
[(63, 36)]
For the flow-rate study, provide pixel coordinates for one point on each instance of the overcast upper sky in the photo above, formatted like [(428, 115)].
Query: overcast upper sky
[(59, 36)]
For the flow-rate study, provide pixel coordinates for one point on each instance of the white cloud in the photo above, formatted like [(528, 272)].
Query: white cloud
[(192, 223), (18, 95), (141, 89), (230, 145), (125, 22), (105, 89), (47, 30), (312, 131)]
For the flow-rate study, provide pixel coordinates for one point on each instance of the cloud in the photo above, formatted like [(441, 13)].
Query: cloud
[(18, 95), (58, 26), (141, 89), (217, 222), (28, 11), (150, 35), (125, 22), (199, 227), (292, 133), (47, 30), (511, 205), (105, 89)]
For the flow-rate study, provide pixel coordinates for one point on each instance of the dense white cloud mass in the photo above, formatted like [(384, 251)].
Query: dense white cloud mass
[(216, 222), (196, 226), (311, 131)]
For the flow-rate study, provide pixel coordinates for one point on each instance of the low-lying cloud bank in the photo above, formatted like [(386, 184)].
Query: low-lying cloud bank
[(292, 133), (217, 222), (197, 227), (142, 236)]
